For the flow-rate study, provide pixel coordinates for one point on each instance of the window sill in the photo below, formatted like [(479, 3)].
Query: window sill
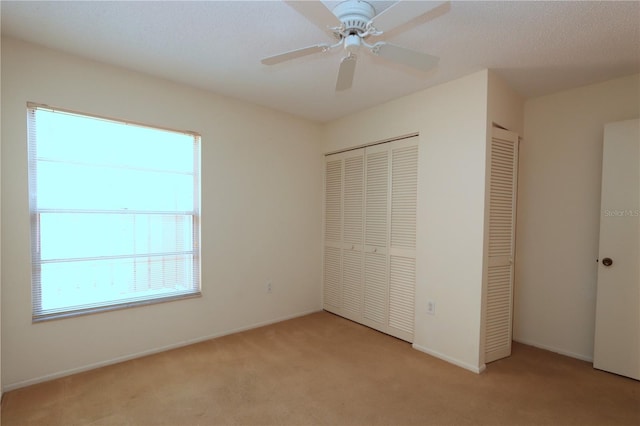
[(114, 307)]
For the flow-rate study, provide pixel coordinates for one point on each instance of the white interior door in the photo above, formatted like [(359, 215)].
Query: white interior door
[(617, 333), (503, 171)]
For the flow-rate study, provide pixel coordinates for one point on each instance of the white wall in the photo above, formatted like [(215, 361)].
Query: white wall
[(261, 215), (558, 213), (452, 120)]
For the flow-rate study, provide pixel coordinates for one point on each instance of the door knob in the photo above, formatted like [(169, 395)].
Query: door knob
[(607, 261)]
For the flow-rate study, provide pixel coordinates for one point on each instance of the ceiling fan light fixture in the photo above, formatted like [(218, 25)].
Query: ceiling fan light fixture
[(352, 43)]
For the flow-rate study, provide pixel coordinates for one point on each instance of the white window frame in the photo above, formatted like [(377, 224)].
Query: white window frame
[(194, 290)]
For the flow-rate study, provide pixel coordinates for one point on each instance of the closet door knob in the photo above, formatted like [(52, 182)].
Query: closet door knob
[(607, 261)]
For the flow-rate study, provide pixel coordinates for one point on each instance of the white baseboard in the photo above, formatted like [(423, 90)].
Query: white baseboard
[(57, 375), (451, 360), (556, 350)]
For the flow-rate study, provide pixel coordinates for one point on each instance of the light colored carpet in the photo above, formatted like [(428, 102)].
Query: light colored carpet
[(324, 370)]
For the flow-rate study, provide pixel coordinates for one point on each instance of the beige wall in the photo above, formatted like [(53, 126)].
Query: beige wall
[(261, 215), (505, 107), (451, 119), (558, 212)]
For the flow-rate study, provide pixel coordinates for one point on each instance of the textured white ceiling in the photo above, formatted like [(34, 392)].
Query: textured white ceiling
[(537, 47)]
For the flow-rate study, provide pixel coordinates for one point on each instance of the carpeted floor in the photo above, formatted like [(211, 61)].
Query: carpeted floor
[(324, 370)]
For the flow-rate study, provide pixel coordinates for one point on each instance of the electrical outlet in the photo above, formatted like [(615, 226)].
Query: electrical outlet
[(269, 287), (431, 307)]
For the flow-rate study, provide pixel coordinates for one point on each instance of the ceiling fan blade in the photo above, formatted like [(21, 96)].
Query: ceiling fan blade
[(401, 13), (293, 54), (316, 12), (402, 55), (346, 73)]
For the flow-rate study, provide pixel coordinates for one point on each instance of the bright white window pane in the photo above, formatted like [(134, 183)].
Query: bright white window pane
[(74, 236), (71, 186), (74, 138), (114, 213), (85, 284)]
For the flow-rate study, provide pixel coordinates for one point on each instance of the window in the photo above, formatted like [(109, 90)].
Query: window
[(114, 213)]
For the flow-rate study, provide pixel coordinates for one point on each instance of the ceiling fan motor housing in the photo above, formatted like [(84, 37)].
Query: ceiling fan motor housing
[(354, 15)]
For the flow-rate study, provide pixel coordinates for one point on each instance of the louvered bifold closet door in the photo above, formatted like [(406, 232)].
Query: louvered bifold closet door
[(502, 209), (332, 265), (352, 262), (343, 244), (402, 248), (370, 235), (376, 237)]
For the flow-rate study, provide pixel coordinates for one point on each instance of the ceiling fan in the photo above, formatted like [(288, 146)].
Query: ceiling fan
[(352, 22)]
